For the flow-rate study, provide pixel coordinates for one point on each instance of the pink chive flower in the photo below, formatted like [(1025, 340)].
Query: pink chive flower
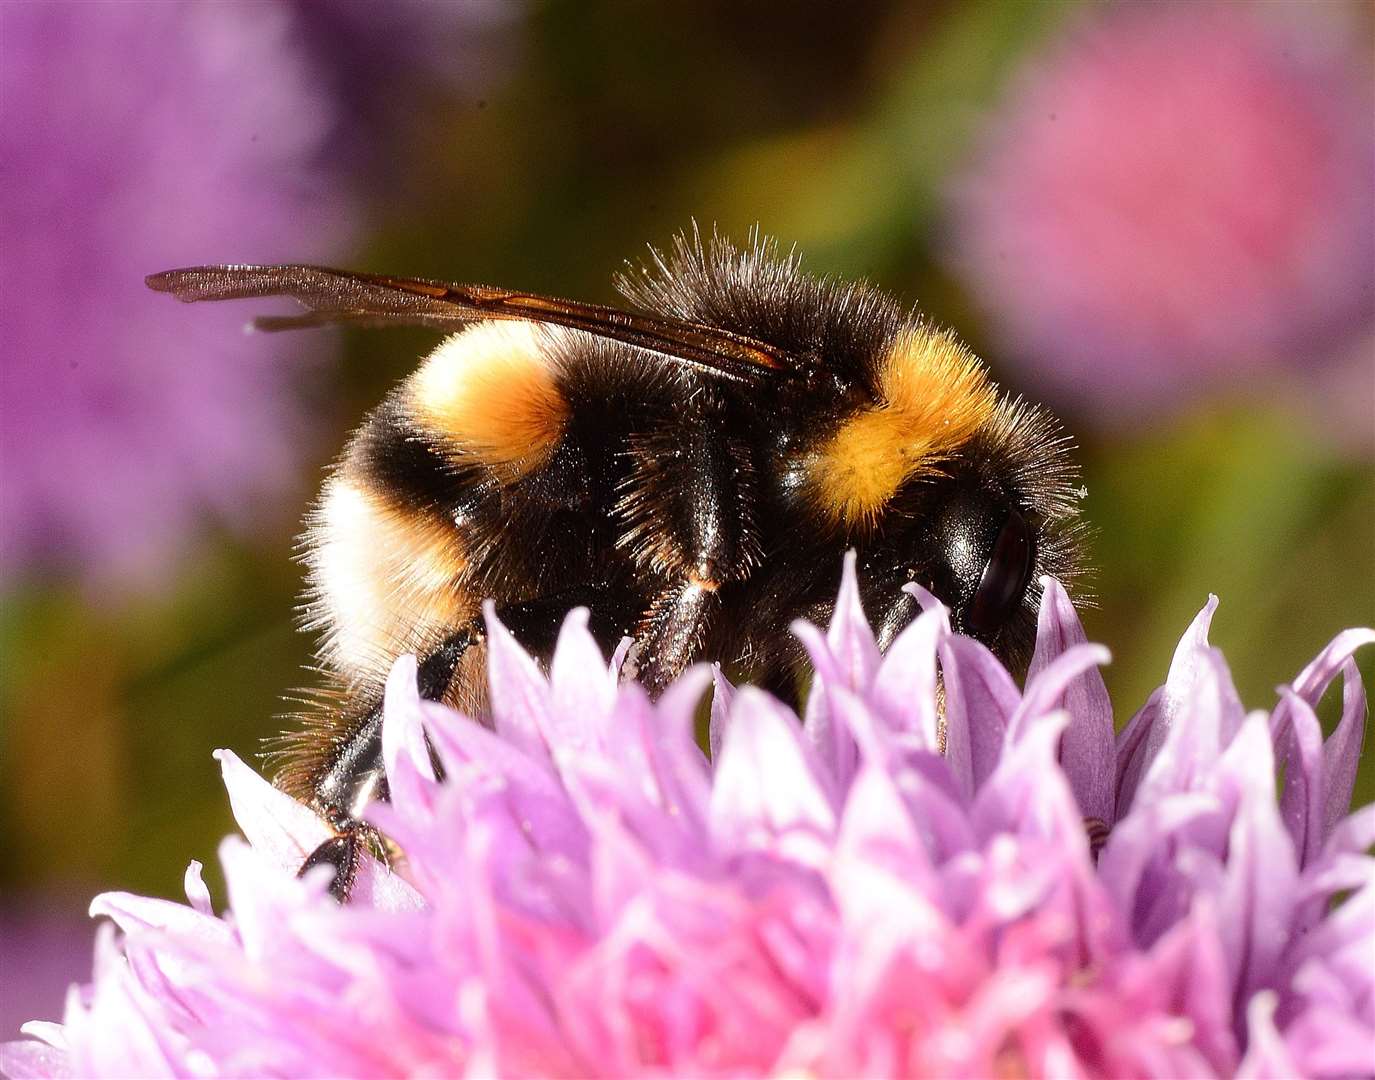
[(1175, 195), (878, 889)]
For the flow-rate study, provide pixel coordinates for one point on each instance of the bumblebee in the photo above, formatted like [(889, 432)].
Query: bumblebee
[(691, 471)]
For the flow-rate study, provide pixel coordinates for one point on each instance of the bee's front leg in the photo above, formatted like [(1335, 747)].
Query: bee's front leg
[(356, 776)]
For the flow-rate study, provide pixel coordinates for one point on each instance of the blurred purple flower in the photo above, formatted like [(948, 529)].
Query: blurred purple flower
[(385, 62), (1173, 195), (139, 136), (587, 895), (45, 944)]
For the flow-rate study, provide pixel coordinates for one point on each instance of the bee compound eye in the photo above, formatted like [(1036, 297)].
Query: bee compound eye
[(1005, 577)]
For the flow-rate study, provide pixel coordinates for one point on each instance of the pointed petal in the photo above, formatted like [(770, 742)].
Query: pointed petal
[(1314, 678), (767, 791), (927, 600), (1299, 749), (1086, 751), (1131, 753), (1260, 887), (274, 823), (666, 755), (824, 730), (1342, 752), (535, 794), (1027, 794), (880, 874), (980, 699), (1058, 628), (1200, 713), (581, 693), (904, 692), (1046, 692), (376, 885), (1140, 838), (521, 710), (1188, 968), (134, 914), (29, 1060), (55, 1035), (197, 895), (722, 694), (261, 895), (849, 636), (1343, 866), (1267, 1058), (405, 754)]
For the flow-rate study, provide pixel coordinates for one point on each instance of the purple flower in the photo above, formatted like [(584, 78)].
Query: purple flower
[(889, 887), (139, 136), (1172, 196), (415, 49), (45, 943)]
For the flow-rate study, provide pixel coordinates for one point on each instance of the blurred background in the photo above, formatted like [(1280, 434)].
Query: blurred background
[(1158, 219)]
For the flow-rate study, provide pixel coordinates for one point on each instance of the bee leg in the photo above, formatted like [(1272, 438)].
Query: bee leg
[(357, 776), (672, 631), (341, 851), (693, 525)]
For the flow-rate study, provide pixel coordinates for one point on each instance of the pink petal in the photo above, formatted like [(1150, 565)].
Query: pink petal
[(134, 914), (904, 692), (1299, 750), (1131, 748), (261, 896), (1086, 751), (1342, 751), (34, 1060), (850, 639), (1143, 836), (378, 886), (1315, 677), (197, 895), (980, 699), (521, 710), (767, 792), (1200, 714), (1188, 968), (1260, 888), (722, 694), (881, 871), (403, 731), (833, 741), (672, 757), (1267, 1058), (275, 824), (580, 691), (536, 796)]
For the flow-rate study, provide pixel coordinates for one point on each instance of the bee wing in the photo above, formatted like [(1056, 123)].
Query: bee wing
[(340, 296)]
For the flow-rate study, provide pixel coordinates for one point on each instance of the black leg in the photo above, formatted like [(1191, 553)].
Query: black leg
[(672, 632), (341, 852), (688, 522), (357, 777)]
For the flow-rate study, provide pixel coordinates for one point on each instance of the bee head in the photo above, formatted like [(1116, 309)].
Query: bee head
[(983, 560), (978, 536)]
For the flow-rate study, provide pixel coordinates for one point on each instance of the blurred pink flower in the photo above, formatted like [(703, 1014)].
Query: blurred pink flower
[(45, 945), (1174, 195), (586, 895), (137, 136)]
